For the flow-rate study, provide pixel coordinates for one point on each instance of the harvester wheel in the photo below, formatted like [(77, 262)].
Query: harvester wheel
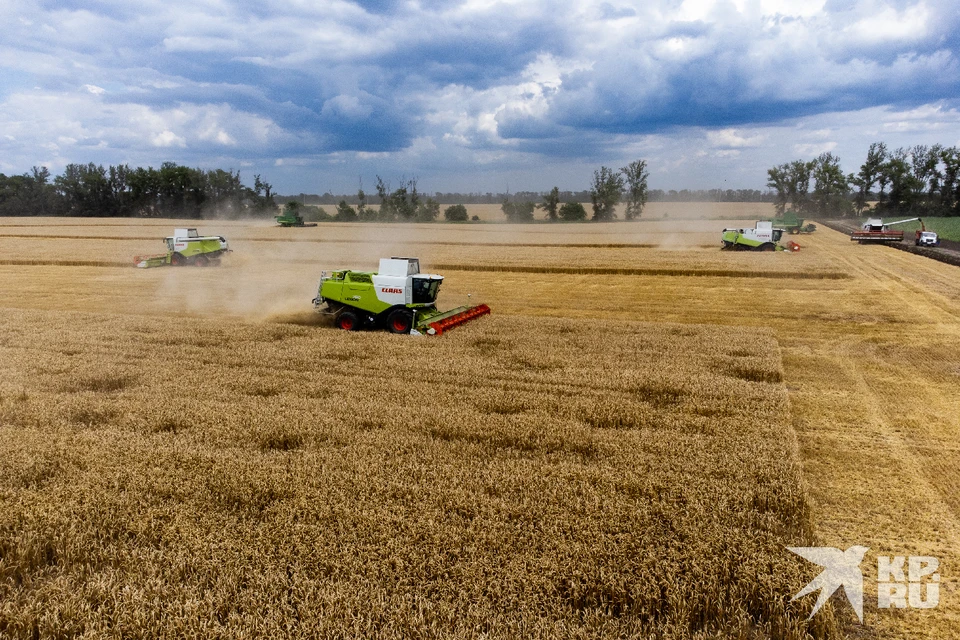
[(399, 321), (201, 261), (177, 260), (768, 246), (348, 321)]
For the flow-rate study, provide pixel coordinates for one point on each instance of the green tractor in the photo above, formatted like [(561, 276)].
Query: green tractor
[(187, 247), (397, 298)]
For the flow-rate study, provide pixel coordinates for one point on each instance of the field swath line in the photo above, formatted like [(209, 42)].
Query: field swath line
[(556, 245), (646, 271), (67, 263)]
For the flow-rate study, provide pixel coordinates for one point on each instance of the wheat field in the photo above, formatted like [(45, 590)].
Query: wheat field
[(623, 449)]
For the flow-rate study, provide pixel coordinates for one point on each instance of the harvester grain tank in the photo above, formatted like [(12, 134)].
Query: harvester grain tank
[(187, 247), (793, 224), (763, 237), (397, 297)]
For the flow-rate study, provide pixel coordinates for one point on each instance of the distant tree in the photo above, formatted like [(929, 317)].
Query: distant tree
[(403, 202), (455, 213), (831, 187), (778, 179), (791, 181), (867, 176), (361, 203), (345, 213), (518, 211), (950, 188), (551, 203), (572, 211), (800, 175), (387, 210), (261, 196), (314, 213), (86, 190), (636, 175), (605, 193), (29, 194), (428, 210), (904, 186)]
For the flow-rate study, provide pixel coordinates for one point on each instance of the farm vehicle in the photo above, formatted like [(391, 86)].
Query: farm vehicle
[(763, 237), (793, 224), (290, 217), (187, 247), (876, 230), (397, 298)]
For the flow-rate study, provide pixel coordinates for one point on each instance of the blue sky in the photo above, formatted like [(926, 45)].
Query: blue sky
[(474, 95)]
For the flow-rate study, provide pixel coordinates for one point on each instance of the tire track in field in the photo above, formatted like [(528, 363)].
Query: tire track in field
[(645, 271), (904, 289), (624, 271), (555, 245), (67, 263)]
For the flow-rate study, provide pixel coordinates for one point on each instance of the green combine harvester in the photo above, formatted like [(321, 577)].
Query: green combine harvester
[(187, 247), (763, 237), (290, 217), (397, 297)]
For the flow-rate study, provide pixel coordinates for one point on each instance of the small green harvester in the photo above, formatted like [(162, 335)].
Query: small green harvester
[(397, 298), (290, 217), (187, 247), (790, 222)]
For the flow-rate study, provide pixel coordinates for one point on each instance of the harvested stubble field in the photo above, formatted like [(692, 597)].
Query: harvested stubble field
[(188, 452)]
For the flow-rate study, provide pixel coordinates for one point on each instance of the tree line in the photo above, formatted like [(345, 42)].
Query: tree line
[(916, 181), (177, 191), (406, 203), (172, 191)]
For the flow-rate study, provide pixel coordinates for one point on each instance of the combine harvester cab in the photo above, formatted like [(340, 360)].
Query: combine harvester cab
[(763, 237), (397, 297), (187, 247)]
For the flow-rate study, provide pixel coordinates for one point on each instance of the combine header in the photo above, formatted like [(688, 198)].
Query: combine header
[(187, 247), (398, 298)]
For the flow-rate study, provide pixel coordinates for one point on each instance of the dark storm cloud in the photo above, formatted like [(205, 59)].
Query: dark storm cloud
[(541, 77)]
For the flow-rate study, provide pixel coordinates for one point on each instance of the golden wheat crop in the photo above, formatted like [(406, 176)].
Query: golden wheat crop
[(523, 477), (186, 451)]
